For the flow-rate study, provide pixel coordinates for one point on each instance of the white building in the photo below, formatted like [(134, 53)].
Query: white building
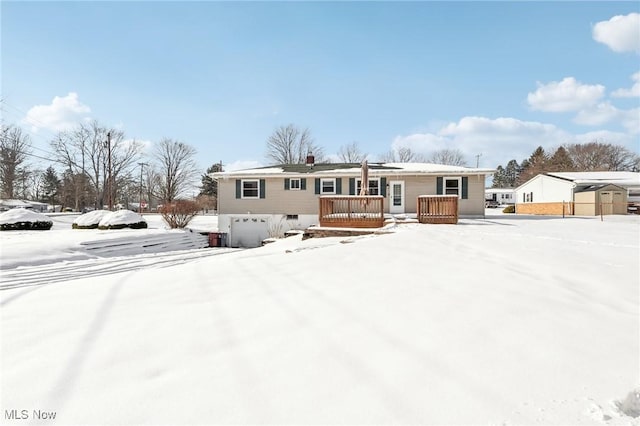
[(554, 193), (502, 196)]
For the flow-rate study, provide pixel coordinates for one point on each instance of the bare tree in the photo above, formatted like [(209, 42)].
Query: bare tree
[(151, 182), (589, 157), (14, 148), (84, 151), (402, 155), (448, 156), (177, 168), (290, 145), (351, 153), (622, 159)]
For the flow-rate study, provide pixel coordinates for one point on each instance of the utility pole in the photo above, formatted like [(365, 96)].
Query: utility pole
[(478, 160), (140, 199), (109, 180)]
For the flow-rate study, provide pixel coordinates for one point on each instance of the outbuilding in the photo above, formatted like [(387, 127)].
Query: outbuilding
[(579, 193), (600, 199)]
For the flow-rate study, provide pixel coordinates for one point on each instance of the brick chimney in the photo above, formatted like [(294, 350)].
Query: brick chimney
[(310, 160)]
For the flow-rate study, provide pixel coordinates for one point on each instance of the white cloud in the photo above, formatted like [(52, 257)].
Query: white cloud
[(61, 114), (629, 93), (620, 33), (631, 121), (598, 115), (502, 139), (567, 95), (606, 113), (498, 140)]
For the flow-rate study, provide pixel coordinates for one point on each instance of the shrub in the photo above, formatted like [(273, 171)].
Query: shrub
[(89, 220), (179, 213), (28, 226), (121, 219), (23, 219), (509, 209), (137, 225)]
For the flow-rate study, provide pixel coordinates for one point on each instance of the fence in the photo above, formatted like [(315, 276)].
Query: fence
[(438, 209), (352, 211)]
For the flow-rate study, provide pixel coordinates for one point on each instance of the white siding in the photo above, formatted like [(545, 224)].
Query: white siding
[(545, 189)]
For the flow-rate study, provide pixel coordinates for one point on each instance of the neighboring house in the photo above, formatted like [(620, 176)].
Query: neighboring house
[(258, 203), (31, 205), (500, 196), (581, 193)]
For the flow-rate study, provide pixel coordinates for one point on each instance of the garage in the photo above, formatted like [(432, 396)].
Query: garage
[(248, 231)]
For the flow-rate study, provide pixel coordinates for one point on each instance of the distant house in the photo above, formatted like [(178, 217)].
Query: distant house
[(501, 196), (580, 193), (36, 206), (257, 203)]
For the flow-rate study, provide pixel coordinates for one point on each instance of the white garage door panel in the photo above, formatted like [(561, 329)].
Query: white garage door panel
[(248, 232)]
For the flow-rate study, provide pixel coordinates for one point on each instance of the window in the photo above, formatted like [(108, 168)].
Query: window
[(327, 186), (452, 186), (374, 186), (250, 188), (292, 217), (294, 184)]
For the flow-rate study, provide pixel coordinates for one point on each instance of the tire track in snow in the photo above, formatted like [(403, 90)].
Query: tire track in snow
[(72, 270)]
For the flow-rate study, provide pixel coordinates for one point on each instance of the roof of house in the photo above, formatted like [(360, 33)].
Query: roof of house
[(354, 169), (592, 188), (626, 179)]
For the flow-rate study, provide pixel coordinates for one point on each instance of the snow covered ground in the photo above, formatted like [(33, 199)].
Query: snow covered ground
[(504, 320)]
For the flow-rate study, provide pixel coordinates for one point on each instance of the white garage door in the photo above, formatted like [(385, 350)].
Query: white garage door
[(248, 231)]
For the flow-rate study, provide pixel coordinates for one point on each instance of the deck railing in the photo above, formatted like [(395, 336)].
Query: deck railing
[(352, 211), (438, 209)]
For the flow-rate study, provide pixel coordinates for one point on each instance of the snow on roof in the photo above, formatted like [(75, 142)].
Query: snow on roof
[(627, 179), (15, 203), (355, 169), (22, 215)]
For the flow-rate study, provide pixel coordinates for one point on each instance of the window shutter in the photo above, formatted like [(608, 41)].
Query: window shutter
[(465, 187), (339, 186), (352, 186), (383, 186), (317, 185), (262, 188), (286, 184), (303, 184), (238, 188), (439, 185)]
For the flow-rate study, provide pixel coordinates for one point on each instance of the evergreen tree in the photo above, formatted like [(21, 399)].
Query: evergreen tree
[(51, 185), (534, 165), (560, 161), (511, 172), (499, 178), (209, 186)]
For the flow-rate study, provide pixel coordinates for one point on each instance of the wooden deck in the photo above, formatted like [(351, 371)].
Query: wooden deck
[(352, 211), (438, 209)]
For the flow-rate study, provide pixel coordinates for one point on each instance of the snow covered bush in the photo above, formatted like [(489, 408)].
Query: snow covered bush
[(122, 219), (89, 220), (23, 219), (179, 213), (631, 405)]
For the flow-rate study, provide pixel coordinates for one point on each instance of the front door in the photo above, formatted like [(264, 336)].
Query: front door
[(396, 203)]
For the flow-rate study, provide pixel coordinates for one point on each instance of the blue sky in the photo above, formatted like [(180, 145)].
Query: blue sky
[(490, 78)]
